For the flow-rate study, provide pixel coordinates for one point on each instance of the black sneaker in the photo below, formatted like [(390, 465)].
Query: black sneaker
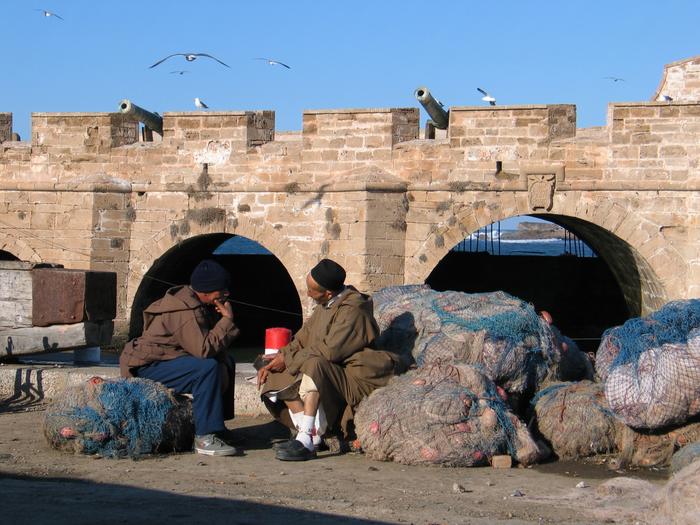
[(294, 451)]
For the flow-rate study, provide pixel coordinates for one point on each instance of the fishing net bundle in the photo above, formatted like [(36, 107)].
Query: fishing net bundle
[(516, 347), (119, 418), (678, 503), (685, 456), (575, 419), (440, 414), (653, 448), (651, 366)]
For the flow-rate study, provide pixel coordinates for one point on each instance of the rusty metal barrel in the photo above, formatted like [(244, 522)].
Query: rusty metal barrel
[(434, 108), (152, 121)]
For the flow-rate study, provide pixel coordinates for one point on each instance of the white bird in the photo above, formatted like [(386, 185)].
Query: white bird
[(199, 104), (49, 13), (190, 57), (665, 98), (273, 62), (487, 98)]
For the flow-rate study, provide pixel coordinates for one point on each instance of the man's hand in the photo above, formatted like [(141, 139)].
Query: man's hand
[(224, 308), (276, 364)]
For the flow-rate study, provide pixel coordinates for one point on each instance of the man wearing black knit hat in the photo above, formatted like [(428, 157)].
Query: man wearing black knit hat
[(183, 346), (316, 381)]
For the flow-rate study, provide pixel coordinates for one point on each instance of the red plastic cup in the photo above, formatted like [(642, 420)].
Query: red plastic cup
[(276, 338)]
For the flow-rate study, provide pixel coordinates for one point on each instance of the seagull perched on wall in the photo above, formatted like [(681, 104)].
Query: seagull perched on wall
[(487, 98), (665, 98), (273, 62), (49, 13), (199, 104), (190, 57)]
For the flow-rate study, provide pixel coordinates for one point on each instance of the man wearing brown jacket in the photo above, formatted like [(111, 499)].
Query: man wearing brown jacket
[(183, 346), (329, 366)]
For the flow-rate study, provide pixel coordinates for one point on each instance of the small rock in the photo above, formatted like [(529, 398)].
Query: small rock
[(456, 487), (489, 483), (582, 485), (517, 494), (373, 469)]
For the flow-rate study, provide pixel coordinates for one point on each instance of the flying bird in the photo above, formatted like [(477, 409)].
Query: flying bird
[(487, 98), (190, 57), (199, 104), (49, 13), (179, 72), (615, 79), (273, 62)]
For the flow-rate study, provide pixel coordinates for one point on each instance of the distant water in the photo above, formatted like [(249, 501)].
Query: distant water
[(537, 247), (543, 247)]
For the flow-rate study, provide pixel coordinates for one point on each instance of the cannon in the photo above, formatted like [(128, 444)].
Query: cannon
[(152, 121), (434, 108)]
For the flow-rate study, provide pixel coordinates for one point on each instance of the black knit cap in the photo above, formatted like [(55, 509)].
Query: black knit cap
[(210, 276), (328, 274)]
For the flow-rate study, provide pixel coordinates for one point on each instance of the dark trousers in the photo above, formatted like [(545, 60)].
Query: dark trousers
[(199, 377)]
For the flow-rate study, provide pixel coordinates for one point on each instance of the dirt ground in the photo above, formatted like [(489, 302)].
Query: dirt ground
[(40, 485)]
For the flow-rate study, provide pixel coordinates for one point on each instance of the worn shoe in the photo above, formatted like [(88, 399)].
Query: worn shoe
[(294, 451), (211, 445)]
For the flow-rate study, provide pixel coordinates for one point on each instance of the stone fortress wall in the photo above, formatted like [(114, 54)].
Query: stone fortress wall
[(358, 185)]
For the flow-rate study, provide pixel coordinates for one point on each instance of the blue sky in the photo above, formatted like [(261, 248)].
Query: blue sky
[(342, 54)]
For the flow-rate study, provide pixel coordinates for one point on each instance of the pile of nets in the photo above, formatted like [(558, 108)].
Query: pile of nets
[(679, 501), (441, 414), (653, 448), (651, 366), (502, 333), (119, 418), (575, 419)]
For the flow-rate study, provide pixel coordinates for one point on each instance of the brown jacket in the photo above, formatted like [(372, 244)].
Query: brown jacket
[(343, 334), (178, 324)]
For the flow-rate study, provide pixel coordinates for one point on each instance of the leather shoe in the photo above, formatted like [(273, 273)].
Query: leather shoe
[(294, 451)]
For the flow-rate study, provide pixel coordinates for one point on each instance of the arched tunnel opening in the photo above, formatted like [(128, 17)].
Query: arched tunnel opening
[(7, 256), (583, 275), (262, 292)]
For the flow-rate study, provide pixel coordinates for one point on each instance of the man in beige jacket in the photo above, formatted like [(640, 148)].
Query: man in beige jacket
[(183, 346), (329, 366)]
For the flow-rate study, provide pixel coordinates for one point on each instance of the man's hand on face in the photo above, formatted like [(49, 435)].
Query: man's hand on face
[(224, 308), (276, 364)]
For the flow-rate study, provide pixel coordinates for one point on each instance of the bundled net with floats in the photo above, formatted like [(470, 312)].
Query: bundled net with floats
[(119, 418)]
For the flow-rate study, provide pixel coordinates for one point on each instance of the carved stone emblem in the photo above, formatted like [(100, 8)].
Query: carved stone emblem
[(540, 191)]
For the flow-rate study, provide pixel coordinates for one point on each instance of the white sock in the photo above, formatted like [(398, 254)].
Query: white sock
[(319, 426), (306, 428), (296, 418)]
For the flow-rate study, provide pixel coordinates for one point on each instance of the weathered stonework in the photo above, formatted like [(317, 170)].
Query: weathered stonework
[(359, 186)]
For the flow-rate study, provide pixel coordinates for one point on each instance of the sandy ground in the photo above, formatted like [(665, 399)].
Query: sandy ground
[(40, 485)]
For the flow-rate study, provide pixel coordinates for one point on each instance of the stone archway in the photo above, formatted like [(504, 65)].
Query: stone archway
[(648, 268), (18, 248)]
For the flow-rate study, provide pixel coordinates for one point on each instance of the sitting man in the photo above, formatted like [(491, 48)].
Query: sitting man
[(183, 346), (329, 366)]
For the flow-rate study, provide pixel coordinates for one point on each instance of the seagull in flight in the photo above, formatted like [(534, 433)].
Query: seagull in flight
[(190, 57), (179, 72), (615, 79), (273, 62), (487, 98), (199, 104), (49, 13)]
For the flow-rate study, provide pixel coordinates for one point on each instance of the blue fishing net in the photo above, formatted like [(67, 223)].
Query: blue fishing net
[(126, 417), (671, 324)]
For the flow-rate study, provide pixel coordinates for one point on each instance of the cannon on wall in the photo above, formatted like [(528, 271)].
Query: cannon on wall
[(439, 116), (152, 121)]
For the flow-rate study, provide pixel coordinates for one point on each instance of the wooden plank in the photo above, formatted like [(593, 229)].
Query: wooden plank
[(41, 339), (15, 297)]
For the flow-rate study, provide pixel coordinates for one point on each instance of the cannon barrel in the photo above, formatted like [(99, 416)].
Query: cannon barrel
[(152, 121), (432, 107)]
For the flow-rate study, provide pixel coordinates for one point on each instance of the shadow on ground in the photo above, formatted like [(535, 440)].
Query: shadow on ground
[(65, 501)]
